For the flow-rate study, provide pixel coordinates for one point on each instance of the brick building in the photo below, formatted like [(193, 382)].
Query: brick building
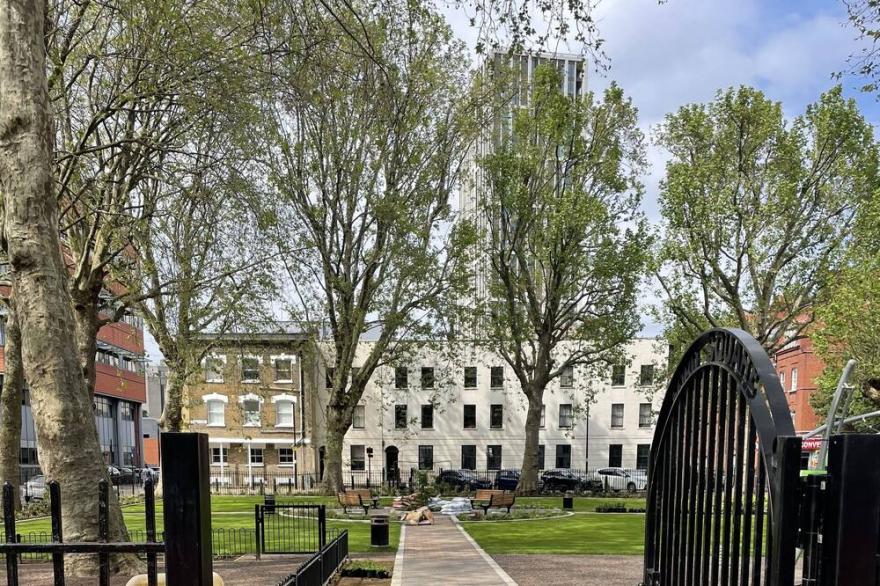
[(254, 400), (799, 368)]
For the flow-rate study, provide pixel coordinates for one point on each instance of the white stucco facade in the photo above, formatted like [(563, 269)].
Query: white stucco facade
[(442, 430)]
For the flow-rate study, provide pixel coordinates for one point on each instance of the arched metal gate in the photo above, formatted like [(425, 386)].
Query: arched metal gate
[(723, 456)]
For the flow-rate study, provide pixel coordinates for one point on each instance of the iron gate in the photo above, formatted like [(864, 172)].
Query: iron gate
[(287, 528), (724, 462)]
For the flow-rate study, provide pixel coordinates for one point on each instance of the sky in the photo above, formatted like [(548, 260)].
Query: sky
[(683, 51)]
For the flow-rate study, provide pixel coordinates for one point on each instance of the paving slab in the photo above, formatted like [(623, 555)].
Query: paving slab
[(583, 570), (443, 553)]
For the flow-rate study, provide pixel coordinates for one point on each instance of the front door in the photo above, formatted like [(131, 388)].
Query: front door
[(392, 473)]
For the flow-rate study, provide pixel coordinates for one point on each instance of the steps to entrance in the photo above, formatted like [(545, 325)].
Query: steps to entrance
[(444, 553)]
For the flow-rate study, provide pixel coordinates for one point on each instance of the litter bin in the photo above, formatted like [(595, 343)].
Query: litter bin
[(568, 501), (379, 530), (269, 503)]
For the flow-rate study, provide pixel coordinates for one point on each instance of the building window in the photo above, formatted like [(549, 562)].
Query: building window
[(428, 416), (616, 415), (285, 456), (328, 378), (400, 417), (543, 416), (470, 417), (250, 405), (540, 462), (643, 453), (284, 414), (646, 416), (358, 458), (358, 418), (794, 379), (618, 375), (493, 457), (469, 457), (219, 455), (496, 416), (427, 377), (615, 455), (566, 416), (563, 455), (496, 377), (646, 375), (283, 370), (400, 377), (782, 379), (257, 456), (566, 379), (426, 457), (213, 370), (250, 370), (470, 377), (215, 405)]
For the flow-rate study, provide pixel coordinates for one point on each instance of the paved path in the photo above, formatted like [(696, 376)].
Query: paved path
[(443, 553)]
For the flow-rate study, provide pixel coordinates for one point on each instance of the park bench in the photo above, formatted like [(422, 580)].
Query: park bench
[(352, 499), (366, 496), (493, 499)]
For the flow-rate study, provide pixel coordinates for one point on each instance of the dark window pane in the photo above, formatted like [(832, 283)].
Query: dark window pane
[(646, 375), (541, 457), (617, 415), (496, 379), (646, 416), (400, 417), (618, 375), (493, 457), (427, 377), (643, 453), (427, 416), (563, 456), (470, 377), (426, 457), (400, 377), (615, 455), (469, 457), (566, 379), (470, 416), (358, 458), (566, 416), (496, 416)]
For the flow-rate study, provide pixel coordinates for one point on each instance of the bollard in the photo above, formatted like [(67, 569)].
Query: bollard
[(568, 501)]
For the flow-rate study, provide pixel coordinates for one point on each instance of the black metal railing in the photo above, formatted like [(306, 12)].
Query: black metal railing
[(239, 481), (318, 569), (290, 528), (14, 547)]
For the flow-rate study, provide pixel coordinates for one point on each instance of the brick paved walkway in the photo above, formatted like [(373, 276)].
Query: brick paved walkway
[(444, 554)]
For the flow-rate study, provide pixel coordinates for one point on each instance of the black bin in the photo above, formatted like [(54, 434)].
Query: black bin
[(379, 530), (568, 501), (269, 503)]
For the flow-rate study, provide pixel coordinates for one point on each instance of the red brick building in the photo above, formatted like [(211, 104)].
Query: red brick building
[(799, 368)]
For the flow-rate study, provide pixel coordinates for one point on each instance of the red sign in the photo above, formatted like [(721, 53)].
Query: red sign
[(811, 444)]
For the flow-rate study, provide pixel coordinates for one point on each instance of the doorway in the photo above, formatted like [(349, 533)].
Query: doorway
[(392, 472)]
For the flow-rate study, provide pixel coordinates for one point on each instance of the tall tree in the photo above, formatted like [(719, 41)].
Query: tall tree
[(10, 404), (364, 154), (69, 449), (566, 245), (757, 210)]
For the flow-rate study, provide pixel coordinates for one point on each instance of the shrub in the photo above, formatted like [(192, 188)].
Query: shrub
[(364, 569)]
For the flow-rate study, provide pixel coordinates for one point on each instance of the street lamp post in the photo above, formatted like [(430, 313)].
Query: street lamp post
[(369, 465)]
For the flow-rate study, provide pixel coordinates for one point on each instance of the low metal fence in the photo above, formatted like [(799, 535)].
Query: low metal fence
[(318, 569)]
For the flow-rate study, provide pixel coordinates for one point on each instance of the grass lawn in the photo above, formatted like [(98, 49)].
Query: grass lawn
[(581, 533), (237, 512)]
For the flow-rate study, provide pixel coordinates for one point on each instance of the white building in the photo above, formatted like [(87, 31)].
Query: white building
[(468, 412)]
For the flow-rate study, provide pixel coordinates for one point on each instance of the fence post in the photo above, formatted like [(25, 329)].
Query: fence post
[(853, 507), (322, 526), (258, 530), (187, 508), (787, 500)]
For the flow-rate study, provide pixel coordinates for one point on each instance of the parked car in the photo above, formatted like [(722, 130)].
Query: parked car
[(507, 479), (618, 479), (120, 474), (564, 479), (35, 488), (462, 480)]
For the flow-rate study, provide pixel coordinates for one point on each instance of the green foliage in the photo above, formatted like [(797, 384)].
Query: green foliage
[(757, 211)]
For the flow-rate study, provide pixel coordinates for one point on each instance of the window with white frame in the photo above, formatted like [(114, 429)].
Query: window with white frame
[(358, 418), (284, 410), (250, 369), (616, 415), (566, 417), (257, 456), (283, 369), (543, 416), (566, 379), (646, 415), (285, 456), (215, 407), (358, 457), (219, 455), (250, 407), (213, 369), (794, 379)]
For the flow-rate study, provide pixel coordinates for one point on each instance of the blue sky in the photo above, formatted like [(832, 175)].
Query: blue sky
[(683, 51)]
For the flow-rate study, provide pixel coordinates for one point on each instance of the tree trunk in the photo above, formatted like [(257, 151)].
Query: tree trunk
[(336, 430), (63, 414), (10, 428), (528, 477), (85, 314), (172, 416)]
